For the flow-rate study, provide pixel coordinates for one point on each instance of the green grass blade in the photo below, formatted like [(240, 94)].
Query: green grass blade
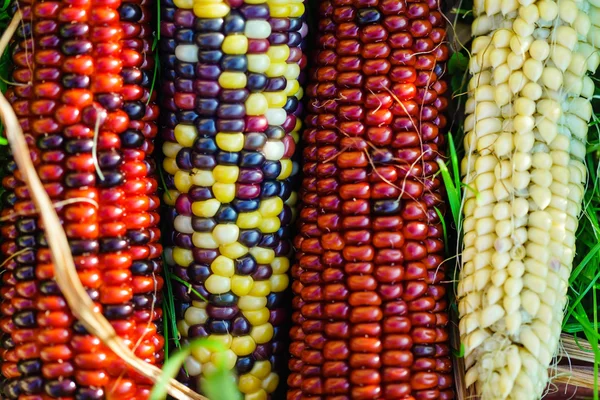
[(170, 369), (452, 192)]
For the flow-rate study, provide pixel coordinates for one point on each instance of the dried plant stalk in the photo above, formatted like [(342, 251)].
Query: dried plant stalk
[(64, 267)]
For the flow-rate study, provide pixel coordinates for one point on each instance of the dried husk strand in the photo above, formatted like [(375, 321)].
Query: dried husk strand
[(64, 267)]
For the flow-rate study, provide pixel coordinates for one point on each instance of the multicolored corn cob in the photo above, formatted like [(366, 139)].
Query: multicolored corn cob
[(526, 131), (82, 95), (232, 91), (370, 318)]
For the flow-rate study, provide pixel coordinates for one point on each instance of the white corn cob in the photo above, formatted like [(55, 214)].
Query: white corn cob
[(526, 128)]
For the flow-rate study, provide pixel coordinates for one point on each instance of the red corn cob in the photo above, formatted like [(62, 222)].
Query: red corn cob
[(370, 311), (75, 110)]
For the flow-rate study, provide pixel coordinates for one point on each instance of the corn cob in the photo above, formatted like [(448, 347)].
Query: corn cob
[(526, 129), (231, 103), (370, 311), (70, 72)]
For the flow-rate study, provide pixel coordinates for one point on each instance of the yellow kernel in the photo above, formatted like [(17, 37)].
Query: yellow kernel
[(204, 240), (261, 369), (287, 166), (209, 369), (230, 141), (279, 53), (258, 62), (262, 333), (194, 315), (258, 395), (233, 250), (201, 353), (271, 207), (292, 71), (186, 135), (226, 173), (186, 4), (226, 233), (252, 303), (243, 345), (293, 199), (280, 265), (255, 1), (206, 208), (224, 192), (217, 284), (279, 282), (223, 266), (241, 285), (183, 327), (271, 382), (170, 197), (256, 104), (183, 181), (300, 93), (249, 383), (248, 220), (280, 11), (203, 178), (224, 359), (292, 87), (225, 339), (235, 44), (276, 69), (170, 166), (182, 257), (275, 99), (261, 288), (262, 255), (219, 10), (232, 80), (296, 10), (257, 317)]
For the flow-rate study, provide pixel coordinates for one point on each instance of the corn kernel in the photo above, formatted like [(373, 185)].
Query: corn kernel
[(204, 178), (186, 4), (170, 197), (261, 369), (279, 53), (258, 63), (243, 345), (261, 288), (182, 257), (209, 369), (287, 166), (297, 10), (233, 250), (226, 173), (230, 141), (262, 333), (249, 383), (279, 282), (280, 265), (224, 192), (249, 220), (241, 284), (226, 233), (223, 266), (292, 72), (270, 383), (258, 395), (256, 104), (183, 327), (216, 284), (186, 135), (170, 166), (204, 240), (235, 44), (275, 99), (262, 255), (271, 207), (252, 303), (219, 10), (201, 353), (183, 181), (257, 317), (276, 69), (206, 208), (225, 359), (225, 339)]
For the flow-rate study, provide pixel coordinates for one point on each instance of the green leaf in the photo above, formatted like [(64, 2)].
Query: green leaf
[(221, 386), (458, 63), (170, 369), (452, 191)]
